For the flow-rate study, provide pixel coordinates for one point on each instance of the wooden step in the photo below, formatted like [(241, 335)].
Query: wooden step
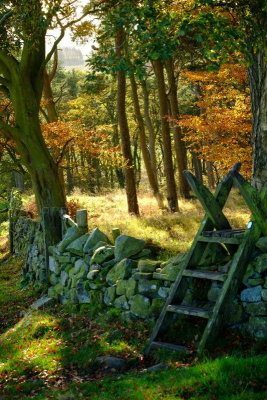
[(220, 239), (168, 346), (226, 233), (194, 311), (204, 274)]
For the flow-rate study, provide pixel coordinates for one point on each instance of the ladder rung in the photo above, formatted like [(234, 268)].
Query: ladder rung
[(229, 233), (204, 274), (220, 239), (196, 312), (168, 346)]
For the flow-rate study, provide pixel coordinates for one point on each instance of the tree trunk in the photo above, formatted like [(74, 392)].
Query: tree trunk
[(166, 137), (179, 145), (257, 72), (124, 129), (30, 145), (150, 128), (50, 105), (210, 174), (145, 153), (197, 167)]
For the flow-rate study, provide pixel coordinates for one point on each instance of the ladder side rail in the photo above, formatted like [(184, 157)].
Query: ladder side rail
[(231, 285)]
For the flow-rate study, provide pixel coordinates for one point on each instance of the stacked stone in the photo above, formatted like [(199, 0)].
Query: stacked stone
[(35, 268), (251, 306), (23, 234), (87, 268), (90, 268)]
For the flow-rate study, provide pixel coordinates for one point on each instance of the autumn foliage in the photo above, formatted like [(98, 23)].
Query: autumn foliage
[(220, 132)]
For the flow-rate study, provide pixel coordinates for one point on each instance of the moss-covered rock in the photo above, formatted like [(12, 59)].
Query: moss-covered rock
[(109, 295), (127, 246), (94, 237), (148, 265), (102, 254), (121, 303), (122, 270), (140, 306)]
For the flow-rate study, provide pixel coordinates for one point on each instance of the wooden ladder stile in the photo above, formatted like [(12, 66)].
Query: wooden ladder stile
[(214, 228)]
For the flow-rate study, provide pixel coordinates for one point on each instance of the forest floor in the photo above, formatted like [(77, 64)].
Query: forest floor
[(51, 353)]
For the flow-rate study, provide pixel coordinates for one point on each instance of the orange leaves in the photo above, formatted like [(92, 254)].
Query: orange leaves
[(221, 131)]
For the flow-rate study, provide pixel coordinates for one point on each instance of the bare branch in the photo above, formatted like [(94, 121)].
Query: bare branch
[(52, 73), (62, 34), (63, 150)]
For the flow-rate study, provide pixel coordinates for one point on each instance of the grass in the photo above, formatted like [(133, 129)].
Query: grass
[(172, 232), (51, 353)]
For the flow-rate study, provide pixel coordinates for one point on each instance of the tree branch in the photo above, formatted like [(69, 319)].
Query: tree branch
[(53, 71), (63, 150), (62, 34)]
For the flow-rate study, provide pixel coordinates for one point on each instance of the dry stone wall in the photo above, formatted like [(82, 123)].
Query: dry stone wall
[(91, 268)]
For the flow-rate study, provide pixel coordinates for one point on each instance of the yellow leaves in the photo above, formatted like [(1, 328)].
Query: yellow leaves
[(221, 131)]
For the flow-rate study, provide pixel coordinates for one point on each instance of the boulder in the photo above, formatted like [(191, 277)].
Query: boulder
[(42, 302), (121, 287), (109, 295), (111, 364), (259, 308), (102, 254), (140, 306), (148, 265), (251, 295), (64, 276), (94, 237), (131, 288), (93, 274), (127, 246), (54, 265), (163, 292), (261, 263), (256, 326), (122, 270), (143, 254), (148, 288), (121, 302), (170, 271), (83, 296), (76, 247), (156, 306), (71, 234)]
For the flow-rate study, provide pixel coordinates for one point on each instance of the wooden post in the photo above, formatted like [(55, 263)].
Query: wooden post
[(82, 220)]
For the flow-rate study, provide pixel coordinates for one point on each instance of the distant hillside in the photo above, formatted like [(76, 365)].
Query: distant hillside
[(70, 57)]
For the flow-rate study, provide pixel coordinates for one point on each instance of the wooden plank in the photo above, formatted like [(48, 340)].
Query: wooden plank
[(219, 239), (82, 220), (168, 346), (230, 286), (204, 274), (225, 233), (194, 311), (254, 201), (208, 202)]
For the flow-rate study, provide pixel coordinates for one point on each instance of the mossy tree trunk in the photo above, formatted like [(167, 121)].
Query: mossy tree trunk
[(23, 84)]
